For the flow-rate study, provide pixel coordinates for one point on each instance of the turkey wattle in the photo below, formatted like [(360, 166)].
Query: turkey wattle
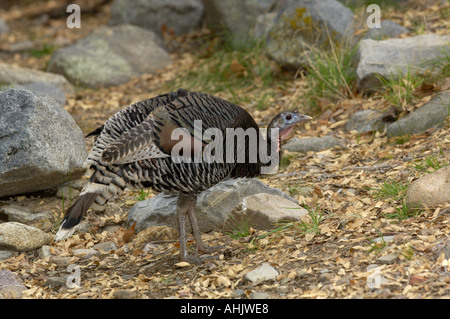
[(135, 149)]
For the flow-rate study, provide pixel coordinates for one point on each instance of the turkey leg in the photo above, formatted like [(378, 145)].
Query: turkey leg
[(201, 247), (186, 206)]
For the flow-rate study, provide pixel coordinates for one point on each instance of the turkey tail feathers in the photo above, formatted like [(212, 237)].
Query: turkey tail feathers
[(74, 215)]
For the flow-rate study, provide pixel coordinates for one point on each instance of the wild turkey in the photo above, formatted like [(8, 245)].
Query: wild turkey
[(134, 149)]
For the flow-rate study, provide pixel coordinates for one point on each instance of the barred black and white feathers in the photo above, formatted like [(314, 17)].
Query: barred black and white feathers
[(133, 149)]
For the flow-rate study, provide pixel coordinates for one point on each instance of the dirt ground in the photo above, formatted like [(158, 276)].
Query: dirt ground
[(338, 261)]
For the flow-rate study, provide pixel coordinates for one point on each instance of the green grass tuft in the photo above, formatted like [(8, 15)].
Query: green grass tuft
[(330, 75), (399, 88)]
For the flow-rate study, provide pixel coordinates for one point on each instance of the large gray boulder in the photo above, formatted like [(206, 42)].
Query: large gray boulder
[(41, 145), (181, 16), (303, 24), (397, 57), (213, 205), (110, 56), (235, 18)]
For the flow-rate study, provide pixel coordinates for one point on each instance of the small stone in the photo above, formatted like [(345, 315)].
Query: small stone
[(60, 261), (44, 252), (237, 293), (125, 294), (385, 239), (5, 254), (55, 283), (431, 190), (85, 252), (285, 280), (388, 259), (11, 286), (262, 273), (259, 295), (325, 277), (282, 290), (22, 237), (106, 246)]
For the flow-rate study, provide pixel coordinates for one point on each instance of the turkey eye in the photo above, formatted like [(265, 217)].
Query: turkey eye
[(289, 117)]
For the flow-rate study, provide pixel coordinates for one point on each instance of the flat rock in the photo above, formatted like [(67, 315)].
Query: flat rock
[(85, 252), (15, 213), (105, 247), (431, 114), (110, 56), (46, 88), (259, 295), (431, 190), (11, 286), (20, 237), (303, 24), (15, 75), (262, 273), (394, 57), (314, 144), (42, 145), (388, 29), (213, 205), (263, 211), (388, 259), (180, 16), (366, 121)]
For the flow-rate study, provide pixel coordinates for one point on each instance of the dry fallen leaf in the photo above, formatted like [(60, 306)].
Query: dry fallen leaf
[(237, 67), (182, 264)]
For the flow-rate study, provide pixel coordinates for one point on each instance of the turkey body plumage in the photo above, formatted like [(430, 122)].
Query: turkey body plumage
[(133, 149)]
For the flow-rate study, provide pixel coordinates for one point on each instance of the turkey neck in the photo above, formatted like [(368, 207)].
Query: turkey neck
[(269, 150)]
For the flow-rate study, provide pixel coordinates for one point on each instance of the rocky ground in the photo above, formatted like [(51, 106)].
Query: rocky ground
[(356, 242)]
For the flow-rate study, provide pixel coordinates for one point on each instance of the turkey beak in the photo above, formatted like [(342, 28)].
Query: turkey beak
[(303, 118)]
